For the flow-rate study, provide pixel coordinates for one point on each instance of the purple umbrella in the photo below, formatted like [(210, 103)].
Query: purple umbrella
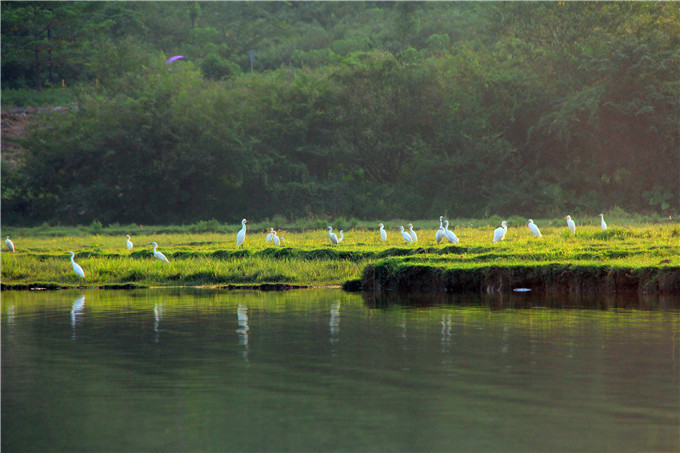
[(171, 59)]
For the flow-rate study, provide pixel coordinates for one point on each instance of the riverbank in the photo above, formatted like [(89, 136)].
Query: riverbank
[(400, 275), (637, 259)]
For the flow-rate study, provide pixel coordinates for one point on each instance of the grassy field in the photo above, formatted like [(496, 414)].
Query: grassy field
[(307, 257)]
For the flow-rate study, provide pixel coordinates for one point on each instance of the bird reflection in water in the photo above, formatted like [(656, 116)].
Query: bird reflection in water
[(76, 312), (334, 323), (158, 315), (446, 338), (242, 331), (10, 315), (446, 331)]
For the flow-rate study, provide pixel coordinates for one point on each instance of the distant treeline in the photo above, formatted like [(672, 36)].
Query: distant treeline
[(368, 110)]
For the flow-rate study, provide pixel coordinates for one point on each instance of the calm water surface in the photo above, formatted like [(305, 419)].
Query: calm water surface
[(324, 370)]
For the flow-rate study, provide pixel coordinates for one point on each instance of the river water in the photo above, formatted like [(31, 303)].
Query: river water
[(325, 370)]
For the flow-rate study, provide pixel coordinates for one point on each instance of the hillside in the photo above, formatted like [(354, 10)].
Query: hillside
[(351, 109)]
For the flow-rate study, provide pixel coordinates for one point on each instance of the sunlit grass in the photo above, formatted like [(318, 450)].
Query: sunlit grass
[(308, 258)]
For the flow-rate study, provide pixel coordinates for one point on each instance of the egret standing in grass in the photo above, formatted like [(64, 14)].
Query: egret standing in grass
[(341, 237), (275, 238), (10, 244), (76, 267), (128, 242), (571, 224), (412, 233), (603, 224), (241, 236), (383, 233), (439, 235), (448, 234), (332, 236), (499, 233), (534, 229), (270, 236), (158, 254), (407, 237)]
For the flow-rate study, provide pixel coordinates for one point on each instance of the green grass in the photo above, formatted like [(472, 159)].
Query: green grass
[(618, 220), (308, 258)]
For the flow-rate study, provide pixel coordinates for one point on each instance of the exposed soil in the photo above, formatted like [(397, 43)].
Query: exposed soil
[(554, 278), (14, 124)]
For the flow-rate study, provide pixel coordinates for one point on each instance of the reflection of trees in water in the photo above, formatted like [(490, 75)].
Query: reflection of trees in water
[(508, 299)]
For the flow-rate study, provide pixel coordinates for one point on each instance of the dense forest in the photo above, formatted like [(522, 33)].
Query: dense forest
[(362, 109)]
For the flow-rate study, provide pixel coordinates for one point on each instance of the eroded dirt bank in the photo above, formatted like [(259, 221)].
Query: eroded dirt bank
[(551, 278)]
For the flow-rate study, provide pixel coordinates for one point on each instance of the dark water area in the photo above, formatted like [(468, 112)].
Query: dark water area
[(326, 370)]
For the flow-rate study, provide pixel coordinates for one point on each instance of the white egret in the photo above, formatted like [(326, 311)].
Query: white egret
[(603, 224), (407, 237), (332, 236), (413, 234), (534, 229), (439, 235), (128, 242), (571, 224), (76, 267), (341, 237), (241, 236), (10, 244), (270, 236), (499, 233), (157, 254), (275, 238), (448, 234), (383, 233)]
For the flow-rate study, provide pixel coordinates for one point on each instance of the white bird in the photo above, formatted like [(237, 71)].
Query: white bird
[(332, 236), (407, 237), (534, 229), (241, 236), (128, 242), (341, 237), (412, 233), (571, 224), (448, 234), (603, 224), (439, 235), (275, 238), (157, 254), (10, 244), (76, 267), (383, 233), (270, 236), (499, 233)]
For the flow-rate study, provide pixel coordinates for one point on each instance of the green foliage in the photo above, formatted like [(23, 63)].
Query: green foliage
[(353, 110), (96, 227)]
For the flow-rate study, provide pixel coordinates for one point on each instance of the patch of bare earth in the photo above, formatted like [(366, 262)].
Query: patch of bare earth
[(14, 125)]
